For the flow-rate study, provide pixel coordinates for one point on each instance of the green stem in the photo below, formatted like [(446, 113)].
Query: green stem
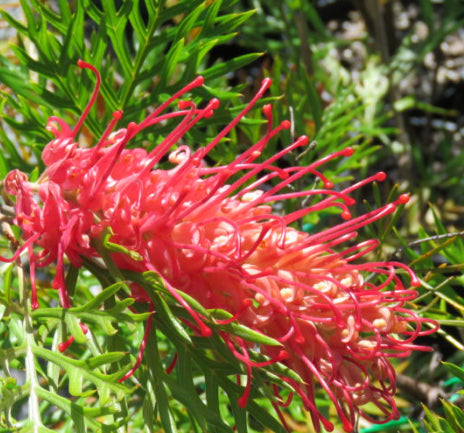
[(31, 374)]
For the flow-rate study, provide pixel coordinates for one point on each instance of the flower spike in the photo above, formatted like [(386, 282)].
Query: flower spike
[(213, 234)]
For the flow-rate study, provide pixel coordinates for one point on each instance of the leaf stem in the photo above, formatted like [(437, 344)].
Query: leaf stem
[(139, 58)]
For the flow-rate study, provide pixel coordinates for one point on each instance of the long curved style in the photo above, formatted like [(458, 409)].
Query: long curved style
[(211, 232)]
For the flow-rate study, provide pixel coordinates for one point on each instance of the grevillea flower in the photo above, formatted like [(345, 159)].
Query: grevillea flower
[(211, 232)]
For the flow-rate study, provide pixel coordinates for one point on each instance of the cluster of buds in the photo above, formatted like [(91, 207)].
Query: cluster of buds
[(212, 233)]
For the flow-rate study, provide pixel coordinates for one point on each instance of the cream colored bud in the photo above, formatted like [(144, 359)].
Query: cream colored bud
[(251, 196), (380, 324), (287, 294), (261, 299)]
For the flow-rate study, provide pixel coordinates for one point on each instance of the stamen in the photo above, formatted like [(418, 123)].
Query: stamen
[(65, 130), (93, 98), (246, 303), (204, 330), (266, 83), (146, 334), (59, 282), (117, 115), (197, 82), (267, 110), (187, 123), (214, 198), (27, 244), (62, 347), (172, 364)]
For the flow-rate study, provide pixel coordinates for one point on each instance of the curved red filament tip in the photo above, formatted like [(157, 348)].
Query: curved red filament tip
[(132, 126), (266, 83), (350, 201), (184, 105), (198, 81), (348, 151), (63, 346), (209, 110), (215, 103), (402, 199), (302, 140), (83, 64), (93, 98), (204, 330), (380, 176), (267, 110), (346, 215)]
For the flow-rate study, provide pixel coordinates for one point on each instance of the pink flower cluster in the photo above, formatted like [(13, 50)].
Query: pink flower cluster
[(211, 232)]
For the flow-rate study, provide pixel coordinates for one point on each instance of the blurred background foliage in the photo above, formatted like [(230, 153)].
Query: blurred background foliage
[(383, 76)]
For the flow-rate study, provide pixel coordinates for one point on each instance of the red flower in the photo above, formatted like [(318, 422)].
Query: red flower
[(212, 232)]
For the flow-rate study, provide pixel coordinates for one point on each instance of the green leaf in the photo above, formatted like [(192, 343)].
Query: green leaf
[(7, 278), (155, 376), (212, 392), (116, 24), (210, 18), (427, 12), (115, 248), (167, 321), (184, 388), (246, 333), (239, 414), (11, 394), (99, 299), (136, 21), (413, 427), (455, 370), (13, 22), (224, 68), (16, 80), (229, 22), (171, 61), (265, 419), (79, 371), (77, 412), (454, 415), (120, 306), (187, 24), (73, 44)]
